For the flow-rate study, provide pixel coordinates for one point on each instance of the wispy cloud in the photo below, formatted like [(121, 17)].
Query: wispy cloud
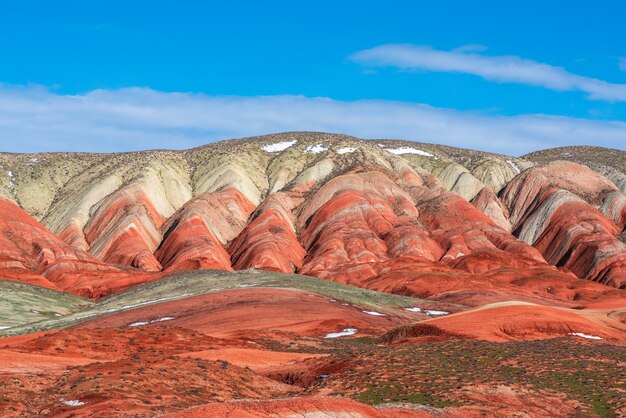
[(501, 69), (36, 119)]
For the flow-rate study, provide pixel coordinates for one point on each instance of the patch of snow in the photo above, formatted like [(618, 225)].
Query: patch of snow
[(11, 182), (57, 314), (409, 150), (374, 313), (141, 323), (315, 149), (246, 285), (514, 166), (346, 332), (278, 146), (72, 402), (345, 150), (413, 309), (165, 318), (5, 327), (382, 145), (582, 335), (435, 313)]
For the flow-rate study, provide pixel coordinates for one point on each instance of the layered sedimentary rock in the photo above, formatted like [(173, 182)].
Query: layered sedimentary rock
[(488, 203), (196, 236), (124, 230), (553, 208), (269, 241), (461, 224), (32, 254)]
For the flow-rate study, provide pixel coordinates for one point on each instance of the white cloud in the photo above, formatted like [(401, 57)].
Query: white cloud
[(471, 48), (35, 119), (502, 69)]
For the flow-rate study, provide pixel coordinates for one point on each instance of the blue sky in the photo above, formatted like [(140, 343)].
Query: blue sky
[(116, 76)]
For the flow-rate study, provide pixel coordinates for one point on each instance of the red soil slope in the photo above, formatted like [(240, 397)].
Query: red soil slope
[(516, 321), (249, 312), (323, 407)]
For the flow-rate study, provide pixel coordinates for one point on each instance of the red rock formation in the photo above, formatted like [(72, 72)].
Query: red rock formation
[(353, 239), (488, 203), (354, 230), (74, 236), (30, 253), (580, 238), (526, 192), (195, 236), (548, 211), (269, 242), (124, 230)]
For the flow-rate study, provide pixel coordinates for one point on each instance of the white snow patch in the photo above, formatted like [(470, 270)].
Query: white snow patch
[(409, 150), (165, 318), (382, 145), (11, 182), (315, 149), (141, 323), (278, 146), (413, 309), (72, 402), (582, 335), (434, 312), (346, 332), (374, 313), (246, 285), (57, 314), (5, 327), (514, 166), (345, 150)]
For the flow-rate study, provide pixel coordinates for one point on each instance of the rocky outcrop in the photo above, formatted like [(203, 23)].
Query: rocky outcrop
[(459, 180), (30, 253), (488, 203), (125, 230), (552, 208), (195, 236), (269, 241)]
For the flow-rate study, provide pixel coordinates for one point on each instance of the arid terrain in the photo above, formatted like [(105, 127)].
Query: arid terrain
[(312, 274)]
